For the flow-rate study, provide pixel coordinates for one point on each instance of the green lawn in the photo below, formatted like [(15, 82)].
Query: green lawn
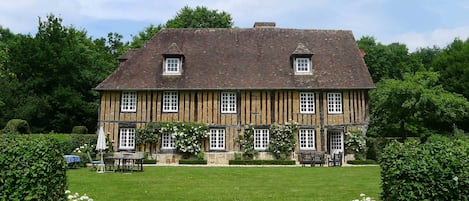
[(229, 183)]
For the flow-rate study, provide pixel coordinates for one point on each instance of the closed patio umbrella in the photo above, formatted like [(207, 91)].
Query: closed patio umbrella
[(101, 144)]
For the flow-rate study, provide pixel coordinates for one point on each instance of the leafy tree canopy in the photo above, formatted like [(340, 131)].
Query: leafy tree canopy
[(200, 17), (388, 61), (453, 66), (414, 106)]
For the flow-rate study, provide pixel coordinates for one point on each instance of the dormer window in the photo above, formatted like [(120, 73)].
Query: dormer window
[(172, 66), (173, 59), (301, 59), (302, 65)]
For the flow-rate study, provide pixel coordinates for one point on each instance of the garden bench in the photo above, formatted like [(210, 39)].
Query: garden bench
[(312, 158)]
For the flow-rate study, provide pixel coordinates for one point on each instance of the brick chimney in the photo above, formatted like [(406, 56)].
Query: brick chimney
[(264, 25)]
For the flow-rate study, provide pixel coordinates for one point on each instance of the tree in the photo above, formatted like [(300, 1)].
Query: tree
[(144, 36), (415, 106), (388, 61), (200, 17), (453, 65), (427, 56), (56, 70)]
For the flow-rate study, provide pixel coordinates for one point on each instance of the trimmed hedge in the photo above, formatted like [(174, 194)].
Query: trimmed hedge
[(361, 162), (79, 130), (436, 170), (149, 161), (192, 162), (17, 126), (261, 162), (31, 169)]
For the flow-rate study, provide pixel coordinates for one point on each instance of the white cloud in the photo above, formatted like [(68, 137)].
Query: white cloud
[(438, 37)]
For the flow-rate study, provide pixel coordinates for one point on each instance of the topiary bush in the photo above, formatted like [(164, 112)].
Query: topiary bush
[(435, 170), (17, 126), (79, 130), (31, 169)]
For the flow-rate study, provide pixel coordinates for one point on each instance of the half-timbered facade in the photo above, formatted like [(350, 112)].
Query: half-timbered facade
[(230, 78)]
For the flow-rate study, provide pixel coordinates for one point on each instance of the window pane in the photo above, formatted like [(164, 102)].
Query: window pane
[(170, 101), (307, 102), (228, 102), (334, 103), (167, 141), (261, 139), (306, 138), (217, 139), (172, 65), (127, 138), (129, 101), (302, 65)]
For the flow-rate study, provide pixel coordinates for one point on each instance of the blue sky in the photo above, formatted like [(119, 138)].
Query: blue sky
[(418, 23)]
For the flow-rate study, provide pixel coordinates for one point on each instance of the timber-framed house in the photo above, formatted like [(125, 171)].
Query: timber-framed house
[(230, 78)]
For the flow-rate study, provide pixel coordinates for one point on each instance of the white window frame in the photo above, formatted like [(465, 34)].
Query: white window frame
[(228, 102), (261, 139), (129, 101), (127, 138), (170, 101), (217, 139), (172, 66), (307, 139), (302, 65), (334, 103), (307, 103), (168, 141)]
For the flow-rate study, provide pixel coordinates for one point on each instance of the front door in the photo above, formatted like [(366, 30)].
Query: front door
[(336, 141)]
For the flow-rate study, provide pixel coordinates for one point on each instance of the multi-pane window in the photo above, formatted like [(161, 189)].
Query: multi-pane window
[(167, 141), (228, 102), (334, 103), (129, 101), (127, 138), (172, 66), (307, 102), (261, 139), (306, 138), (302, 65), (170, 101), (217, 139)]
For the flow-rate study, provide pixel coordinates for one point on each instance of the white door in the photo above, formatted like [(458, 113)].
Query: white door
[(336, 141)]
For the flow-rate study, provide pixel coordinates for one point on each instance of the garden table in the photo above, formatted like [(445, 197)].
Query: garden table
[(72, 160), (127, 162)]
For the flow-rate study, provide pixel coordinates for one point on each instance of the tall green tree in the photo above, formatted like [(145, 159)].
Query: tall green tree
[(199, 17), (415, 106), (388, 61), (453, 65), (56, 70)]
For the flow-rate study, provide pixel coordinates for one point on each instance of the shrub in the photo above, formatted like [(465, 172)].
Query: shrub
[(31, 168), (361, 162), (261, 162), (436, 170), (282, 140), (247, 142), (17, 126), (79, 130), (192, 162)]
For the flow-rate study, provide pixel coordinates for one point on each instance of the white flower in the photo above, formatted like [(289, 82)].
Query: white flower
[(67, 192), (362, 194)]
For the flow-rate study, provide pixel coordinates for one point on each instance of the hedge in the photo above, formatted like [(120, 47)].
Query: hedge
[(436, 170), (31, 169), (361, 162), (192, 162), (261, 162), (79, 130), (17, 126)]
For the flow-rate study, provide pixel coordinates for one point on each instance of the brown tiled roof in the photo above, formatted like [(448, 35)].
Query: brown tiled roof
[(243, 59)]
